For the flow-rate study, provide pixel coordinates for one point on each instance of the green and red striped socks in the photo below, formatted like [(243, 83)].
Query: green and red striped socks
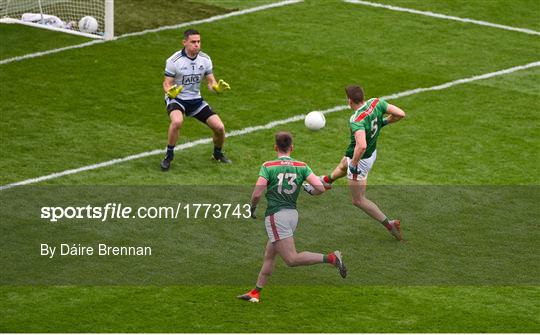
[(330, 258)]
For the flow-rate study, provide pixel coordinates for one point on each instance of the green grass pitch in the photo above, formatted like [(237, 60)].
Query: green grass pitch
[(461, 171)]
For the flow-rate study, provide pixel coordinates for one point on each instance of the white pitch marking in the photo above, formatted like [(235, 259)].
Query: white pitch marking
[(210, 19), (269, 125), (213, 18), (442, 16), (49, 52)]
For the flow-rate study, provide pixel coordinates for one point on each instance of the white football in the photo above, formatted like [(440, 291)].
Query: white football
[(315, 120), (88, 24)]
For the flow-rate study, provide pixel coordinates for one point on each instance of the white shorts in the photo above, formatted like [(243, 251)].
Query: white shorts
[(281, 225), (364, 165)]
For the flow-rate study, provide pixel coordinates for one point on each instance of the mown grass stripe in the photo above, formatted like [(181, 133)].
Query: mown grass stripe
[(269, 125), (144, 32), (443, 16)]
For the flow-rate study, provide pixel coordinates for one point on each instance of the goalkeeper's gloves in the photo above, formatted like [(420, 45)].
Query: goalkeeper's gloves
[(354, 169), (252, 211), (221, 86), (174, 90)]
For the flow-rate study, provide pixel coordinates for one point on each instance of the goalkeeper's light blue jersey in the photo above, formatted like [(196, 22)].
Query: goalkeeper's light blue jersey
[(188, 72)]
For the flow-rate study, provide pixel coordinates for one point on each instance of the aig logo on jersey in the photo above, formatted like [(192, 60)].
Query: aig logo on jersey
[(191, 79)]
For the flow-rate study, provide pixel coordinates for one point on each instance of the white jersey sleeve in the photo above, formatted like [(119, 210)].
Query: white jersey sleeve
[(209, 66), (170, 69)]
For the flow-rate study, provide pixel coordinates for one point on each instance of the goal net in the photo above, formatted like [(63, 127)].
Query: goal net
[(62, 15)]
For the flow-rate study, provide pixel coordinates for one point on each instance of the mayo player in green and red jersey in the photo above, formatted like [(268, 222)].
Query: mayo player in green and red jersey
[(282, 179), (365, 126)]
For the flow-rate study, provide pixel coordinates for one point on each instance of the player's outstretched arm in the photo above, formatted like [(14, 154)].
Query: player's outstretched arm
[(260, 186), (221, 86), (359, 148), (170, 88), (396, 114), (318, 187), (217, 86)]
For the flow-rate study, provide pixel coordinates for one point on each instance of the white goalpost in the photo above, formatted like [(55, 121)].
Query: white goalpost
[(90, 18)]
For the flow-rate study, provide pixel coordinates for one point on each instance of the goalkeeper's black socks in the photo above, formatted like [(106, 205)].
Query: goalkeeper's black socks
[(170, 152), (217, 152), (219, 156)]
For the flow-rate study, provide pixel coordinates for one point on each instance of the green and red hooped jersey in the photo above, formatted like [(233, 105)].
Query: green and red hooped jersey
[(285, 177), (369, 118)]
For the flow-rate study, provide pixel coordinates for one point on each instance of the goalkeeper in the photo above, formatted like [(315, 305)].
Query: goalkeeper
[(184, 71)]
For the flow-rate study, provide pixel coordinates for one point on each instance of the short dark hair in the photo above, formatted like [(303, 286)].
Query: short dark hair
[(355, 93), (190, 32), (284, 141)]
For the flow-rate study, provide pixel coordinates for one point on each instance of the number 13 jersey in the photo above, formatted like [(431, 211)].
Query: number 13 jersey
[(285, 177)]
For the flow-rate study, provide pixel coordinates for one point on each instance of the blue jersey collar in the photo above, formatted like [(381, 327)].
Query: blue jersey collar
[(186, 55)]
